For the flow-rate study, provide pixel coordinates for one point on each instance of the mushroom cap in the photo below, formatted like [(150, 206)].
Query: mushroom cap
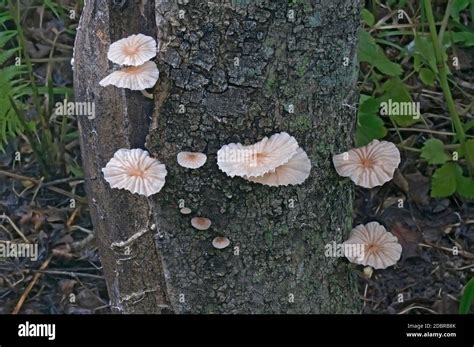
[(381, 248), (191, 160), (369, 166), (134, 77), (201, 223), (255, 160), (294, 172), (220, 242), (133, 50), (135, 171), (185, 210)]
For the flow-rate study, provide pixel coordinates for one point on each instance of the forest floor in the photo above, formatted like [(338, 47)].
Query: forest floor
[(437, 234)]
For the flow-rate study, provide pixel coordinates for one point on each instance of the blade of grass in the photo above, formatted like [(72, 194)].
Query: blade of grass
[(467, 297), (443, 80), (442, 71), (31, 137)]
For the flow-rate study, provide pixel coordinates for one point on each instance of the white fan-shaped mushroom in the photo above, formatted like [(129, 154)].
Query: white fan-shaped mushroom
[(380, 247), (220, 242), (201, 223), (191, 160), (264, 156), (294, 172), (134, 77), (369, 166), (133, 50), (135, 171)]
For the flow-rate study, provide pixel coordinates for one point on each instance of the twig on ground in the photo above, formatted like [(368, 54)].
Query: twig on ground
[(31, 285), (8, 219), (52, 188), (68, 273)]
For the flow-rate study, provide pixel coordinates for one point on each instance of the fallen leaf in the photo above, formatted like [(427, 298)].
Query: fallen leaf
[(408, 238), (418, 188)]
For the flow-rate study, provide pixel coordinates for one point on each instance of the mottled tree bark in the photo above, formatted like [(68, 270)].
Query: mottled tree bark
[(230, 71)]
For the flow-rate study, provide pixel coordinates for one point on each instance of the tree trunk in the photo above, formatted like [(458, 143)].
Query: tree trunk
[(230, 71)]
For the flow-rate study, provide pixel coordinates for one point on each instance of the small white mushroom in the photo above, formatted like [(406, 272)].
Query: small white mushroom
[(133, 77), (135, 171), (255, 160), (191, 160), (220, 242), (185, 210), (201, 223), (380, 247), (133, 50), (369, 166)]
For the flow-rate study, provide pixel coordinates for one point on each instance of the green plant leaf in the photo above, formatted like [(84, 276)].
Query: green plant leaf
[(468, 125), (396, 93), (467, 297), (465, 187), (456, 7), (425, 52), (5, 55), (468, 148), (463, 37), (371, 53), (433, 152), (368, 104), (427, 76), (53, 7), (369, 125), (444, 180), (6, 36), (367, 17), (4, 16)]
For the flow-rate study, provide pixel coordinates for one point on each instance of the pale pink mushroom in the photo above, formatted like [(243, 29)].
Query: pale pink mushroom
[(294, 172), (380, 247), (220, 242), (135, 171), (191, 160), (264, 156), (201, 223), (369, 166), (185, 210), (134, 77), (133, 50)]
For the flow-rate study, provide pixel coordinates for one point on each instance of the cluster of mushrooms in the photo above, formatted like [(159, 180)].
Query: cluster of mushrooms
[(274, 161)]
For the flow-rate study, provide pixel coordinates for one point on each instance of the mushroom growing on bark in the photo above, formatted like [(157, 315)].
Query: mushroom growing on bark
[(185, 210), (264, 156), (133, 50), (294, 172), (201, 223), (274, 161), (220, 242), (191, 160), (135, 171), (133, 77)]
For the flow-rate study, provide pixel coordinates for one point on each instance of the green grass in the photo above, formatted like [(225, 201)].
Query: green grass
[(27, 105)]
